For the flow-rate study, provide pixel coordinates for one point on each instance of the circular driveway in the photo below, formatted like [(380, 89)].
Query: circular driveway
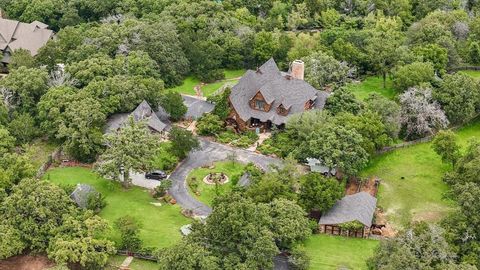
[(208, 153)]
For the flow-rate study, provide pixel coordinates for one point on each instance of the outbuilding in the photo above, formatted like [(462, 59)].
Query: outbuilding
[(351, 216)]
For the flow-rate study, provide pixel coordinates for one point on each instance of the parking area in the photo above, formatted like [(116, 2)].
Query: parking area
[(138, 179)]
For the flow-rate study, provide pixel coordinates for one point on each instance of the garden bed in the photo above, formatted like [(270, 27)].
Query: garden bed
[(207, 192)]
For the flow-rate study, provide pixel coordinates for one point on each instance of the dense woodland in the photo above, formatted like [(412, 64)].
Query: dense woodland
[(110, 55)]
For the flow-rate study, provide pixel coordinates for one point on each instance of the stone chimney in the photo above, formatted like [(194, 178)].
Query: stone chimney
[(298, 69)]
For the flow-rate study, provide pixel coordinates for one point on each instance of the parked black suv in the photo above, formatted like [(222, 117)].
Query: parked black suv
[(156, 175)]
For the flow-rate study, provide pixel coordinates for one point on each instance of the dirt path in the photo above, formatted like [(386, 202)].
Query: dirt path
[(26, 262)]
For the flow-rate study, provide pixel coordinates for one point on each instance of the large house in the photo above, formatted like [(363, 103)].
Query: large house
[(268, 96), (18, 35)]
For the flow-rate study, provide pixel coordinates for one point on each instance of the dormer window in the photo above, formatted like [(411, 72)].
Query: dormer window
[(282, 110), (259, 104)]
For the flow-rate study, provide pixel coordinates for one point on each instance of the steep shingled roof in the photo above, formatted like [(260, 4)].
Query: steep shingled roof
[(359, 206), (81, 193), (142, 112), (277, 87), (18, 35)]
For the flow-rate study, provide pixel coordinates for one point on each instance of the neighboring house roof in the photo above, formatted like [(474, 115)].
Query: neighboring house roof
[(245, 180), (142, 112), (81, 193), (18, 35), (196, 107), (186, 229), (359, 206), (277, 88), (317, 165)]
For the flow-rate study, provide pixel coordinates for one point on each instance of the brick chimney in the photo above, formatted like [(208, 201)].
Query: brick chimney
[(298, 69)]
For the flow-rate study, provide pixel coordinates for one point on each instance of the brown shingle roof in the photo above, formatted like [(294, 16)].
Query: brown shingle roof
[(277, 88), (18, 35), (357, 207), (142, 112)]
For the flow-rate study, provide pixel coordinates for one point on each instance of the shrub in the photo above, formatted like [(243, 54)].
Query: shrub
[(164, 159), (172, 102), (193, 184), (222, 109), (162, 189), (227, 136), (129, 229), (268, 148), (234, 179), (243, 142), (299, 259), (69, 188), (96, 202), (351, 226), (209, 124), (253, 170), (413, 74), (251, 135)]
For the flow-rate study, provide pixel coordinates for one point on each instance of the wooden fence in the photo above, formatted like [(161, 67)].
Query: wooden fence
[(454, 69), (404, 144), (55, 155), (425, 139), (138, 255)]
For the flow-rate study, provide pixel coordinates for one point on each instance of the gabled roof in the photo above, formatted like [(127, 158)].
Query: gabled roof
[(357, 207), (18, 35), (277, 88), (81, 193), (142, 112)]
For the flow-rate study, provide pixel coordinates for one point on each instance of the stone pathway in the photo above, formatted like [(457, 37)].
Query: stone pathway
[(126, 263), (261, 137)]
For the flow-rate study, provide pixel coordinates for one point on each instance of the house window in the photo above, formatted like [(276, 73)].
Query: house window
[(259, 104), (281, 110)]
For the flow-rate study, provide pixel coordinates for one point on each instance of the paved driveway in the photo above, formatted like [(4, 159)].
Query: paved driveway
[(138, 179), (209, 152)]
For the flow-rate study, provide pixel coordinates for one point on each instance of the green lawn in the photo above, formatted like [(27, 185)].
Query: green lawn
[(39, 151), (160, 224), (334, 252), (472, 73), (209, 89), (187, 86), (370, 85), (190, 82), (234, 73), (419, 194), (137, 264), (208, 192)]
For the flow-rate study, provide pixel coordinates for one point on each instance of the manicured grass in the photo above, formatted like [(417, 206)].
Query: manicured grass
[(412, 188), (234, 73), (336, 252), (472, 73), (372, 85), (190, 82), (137, 264), (187, 86), (209, 192), (160, 224), (39, 151), (209, 89)]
